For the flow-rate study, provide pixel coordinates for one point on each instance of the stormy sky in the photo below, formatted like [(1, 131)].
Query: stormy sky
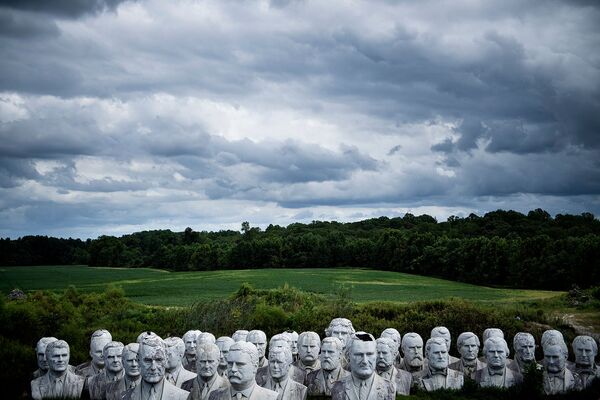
[(120, 116)]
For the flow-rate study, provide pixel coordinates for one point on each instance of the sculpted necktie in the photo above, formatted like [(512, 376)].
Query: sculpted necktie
[(363, 393), (204, 391), (152, 395)]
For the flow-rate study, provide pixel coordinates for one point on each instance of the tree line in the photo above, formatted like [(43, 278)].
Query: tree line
[(501, 248)]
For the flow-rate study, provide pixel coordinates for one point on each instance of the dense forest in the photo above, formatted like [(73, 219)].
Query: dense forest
[(501, 248)]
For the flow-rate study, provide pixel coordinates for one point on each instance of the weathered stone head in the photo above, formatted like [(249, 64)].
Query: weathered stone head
[(259, 339), (362, 353), (240, 335), (207, 360), (393, 334), (309, 345), (130, 360), (40, 351), (280, 340), (331, 353), (224, 343), (496, 351), (280, 360), (153, 359), (468, 346), (242, 363), (113, 356), (340, 328), (524, 347), (189, 339), (555, 355), (412, 349), (99, 339), (386, 353), (294, 337), (57, 355), (585, 349), (436, 352), (205, 337), (552, 335), (175, 350), (144, 335), (444, 333)]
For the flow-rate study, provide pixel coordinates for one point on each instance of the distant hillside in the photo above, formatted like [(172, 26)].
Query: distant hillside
[(502, 248)]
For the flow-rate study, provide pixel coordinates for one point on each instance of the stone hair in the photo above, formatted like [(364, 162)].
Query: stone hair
[(248, 348), (286, 351), (309, 335), (193, 333), (101, 334), (434, 340), (345, 322), (556, 342), (465, 336), (496, 340), (154, 341), (410, 335), (337, 342), (389, 343), (393, 332), (520, 338), (440, 331), (209, 348), (206, 336), (550, 334), (225, 339), (45, 340), (176, 342), (111, 345), (57, 344), (586, 339), (131, 348), (492, 332), (255, 332)]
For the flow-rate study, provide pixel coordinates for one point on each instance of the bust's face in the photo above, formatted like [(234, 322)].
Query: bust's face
[(173, 357), (240, 369), (340, 332), (206, 364), (41, 356), (385, 357), (413, 352), (259, 341), (278, 365), (152, 361), (584, 354), (496, 356), (330, 357), (526, 350), (224, 350), (391, 335), (294, 336), (114, 360), (59, 359), (469, 349), (554, 359), (132, 366), (363, 356), (190, 344), (308, 350), (438, 356), (96, 347)]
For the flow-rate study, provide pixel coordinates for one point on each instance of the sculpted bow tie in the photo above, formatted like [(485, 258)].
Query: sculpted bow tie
[(440, 372), (496, 371)]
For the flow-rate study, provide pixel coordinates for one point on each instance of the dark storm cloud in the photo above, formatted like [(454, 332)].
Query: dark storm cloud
[(63, 8), (14, 171), (25, 25)]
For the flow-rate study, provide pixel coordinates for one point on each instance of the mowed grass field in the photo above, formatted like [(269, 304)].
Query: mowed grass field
[(158, 287)]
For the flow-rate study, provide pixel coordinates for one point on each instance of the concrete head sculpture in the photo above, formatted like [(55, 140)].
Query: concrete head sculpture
[(130, 360), (224, 343), (189, 338), (492, 332), (340, 328), (280, 340), (586, 350), (113, 357), (394, 335), (436, 352), (551, 335), (294, 337), (524, 347), (280, 360), (555, 355), (152, 357), (309, 345), (40, 350), (412, 350), (239, 335), (331, 353), (175, 350), (444, 333), (99, 339), (496, 351), (207, 360), (205, 337), (362, 353), (386, 353), (259, 339), (468, 346), (242, 364), (144, 335), (57, 355)]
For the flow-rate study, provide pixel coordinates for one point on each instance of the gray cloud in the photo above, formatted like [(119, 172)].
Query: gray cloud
[(63, 8)]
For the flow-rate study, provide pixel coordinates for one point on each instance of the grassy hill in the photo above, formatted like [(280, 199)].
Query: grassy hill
[(158, 287)]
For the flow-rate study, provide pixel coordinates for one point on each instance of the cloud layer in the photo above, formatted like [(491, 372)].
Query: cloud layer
[(118, 116)]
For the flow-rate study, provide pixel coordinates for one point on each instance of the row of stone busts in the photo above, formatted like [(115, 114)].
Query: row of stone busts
[(345, 364)]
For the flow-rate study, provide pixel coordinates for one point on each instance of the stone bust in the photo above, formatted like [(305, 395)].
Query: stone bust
[(224, 343), (340, 328), (496, 373), (552, 335), (444, 333), (320, 382), (438, 375), (294, 336), (362, 383), (393, 334), (585, 349), (40, 351), (189, 358), (492, 332), (174, 371), (59, 381), (240, 335), (309, 346), (132, 373), (387, 351), (524, 347), (259, 339), (412, 350), (280, 362), (99, 339), (557, 378), (112, 371), (468, 346), (205, 337), (208, 379)]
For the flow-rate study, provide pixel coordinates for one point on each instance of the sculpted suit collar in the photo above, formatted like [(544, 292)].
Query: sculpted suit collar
[(401, 381), (183, 375), (72, 386), (291, 390), (381, 389), (308, 368), (263, 375), (168, 392), (459, 366), (257, 393), (509, 377), (567, 381), (454, 380), (316, 382), (194, 386), (115, 389), (516, 366)]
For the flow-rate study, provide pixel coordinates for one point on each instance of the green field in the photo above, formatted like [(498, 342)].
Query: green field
[(158, 287)]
